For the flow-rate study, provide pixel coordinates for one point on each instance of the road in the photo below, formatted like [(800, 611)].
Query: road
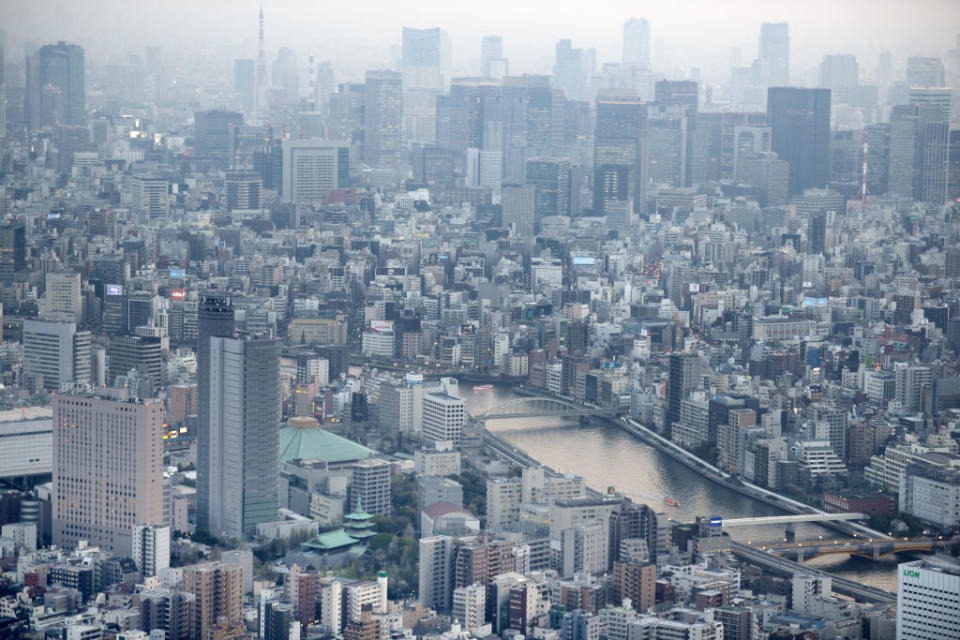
[(783, 566)]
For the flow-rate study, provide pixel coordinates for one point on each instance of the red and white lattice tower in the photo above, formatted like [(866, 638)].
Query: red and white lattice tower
[(863, 184)]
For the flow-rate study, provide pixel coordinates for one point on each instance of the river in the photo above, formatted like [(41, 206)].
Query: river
[(608, 456)]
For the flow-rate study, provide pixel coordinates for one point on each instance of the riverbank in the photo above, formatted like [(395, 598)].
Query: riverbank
[(782, 566)]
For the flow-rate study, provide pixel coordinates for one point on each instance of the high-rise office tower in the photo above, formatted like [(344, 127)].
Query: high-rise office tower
[(219, 599), (243, 190), (902, 145), (684, 375), (878, 157), (285, 78), (240, 404), (467, 98), (107, 470), (518, 210), (667, 145), (142, 354), (214, 319), (817, 232), (56, 353), (491, 49), (919, 152), (149, 196), (61, 297), (550, 177), (620, 149), (569, 70), (536, 111), (677, 93), (151, 548), (436, 571), (423, 58), (13, 251), (443, 419), (314, 168), (953, 167), (244, 82), (928, 597), (925, 72), (370, 486), (215, 132), (636, 42), (932, 154), (60, 84), (775, 53), (841, 74), (800, 121), (383, 118)]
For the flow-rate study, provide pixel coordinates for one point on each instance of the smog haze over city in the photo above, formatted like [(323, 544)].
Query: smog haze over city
[(480, 321), (685, 34)]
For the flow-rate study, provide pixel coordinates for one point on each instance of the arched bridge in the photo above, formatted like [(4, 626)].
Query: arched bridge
[(538, 406), (870, 549)]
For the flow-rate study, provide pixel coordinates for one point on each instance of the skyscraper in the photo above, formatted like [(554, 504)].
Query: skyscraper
[(840, 73), (214, 319), (244, 82), (151, 548), (423, 57), (60, 77), (636, 42), (215, 131), (240, 404), (902, 145), (677, 93), (141, 353), (491, 49), (684, 376), (107, 470), (550, 177), (620, 149), (443, 419), (56, 354), (667, 140), (953, 167), (149, 196), (925, 72), (800, 121), (932, 154), (518, 210), (219, 599), (569, 70), (243, 190), (383, 118), (775, 53), (928, 597), (314, 168)]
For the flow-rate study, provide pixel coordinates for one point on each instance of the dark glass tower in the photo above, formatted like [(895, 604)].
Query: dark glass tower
[(13, 251), (61, 84), (800, 119), (621, 139), (214, 320)]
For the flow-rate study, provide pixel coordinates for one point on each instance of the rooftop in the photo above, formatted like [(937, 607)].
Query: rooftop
[(319, 444)]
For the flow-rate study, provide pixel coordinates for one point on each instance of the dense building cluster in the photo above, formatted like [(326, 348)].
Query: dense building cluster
[(244, 320)]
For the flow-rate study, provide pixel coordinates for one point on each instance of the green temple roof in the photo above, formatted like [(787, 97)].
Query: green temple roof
[(318, 444)]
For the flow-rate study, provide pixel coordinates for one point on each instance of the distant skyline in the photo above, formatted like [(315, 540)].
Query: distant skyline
[(355, 36)]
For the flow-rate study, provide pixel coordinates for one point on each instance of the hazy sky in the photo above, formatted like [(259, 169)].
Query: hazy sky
[(359, 34)]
